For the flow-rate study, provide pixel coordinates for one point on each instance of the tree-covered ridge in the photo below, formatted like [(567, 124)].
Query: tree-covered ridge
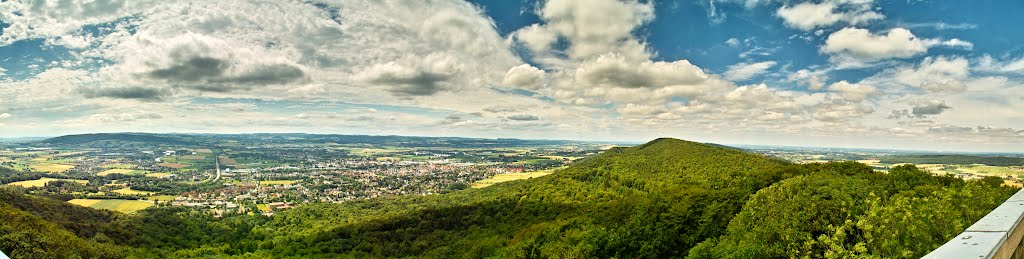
[(667, 198), (955, 159)]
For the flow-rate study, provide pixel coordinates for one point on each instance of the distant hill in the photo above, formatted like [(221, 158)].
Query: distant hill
[(102, 138), (175, 139), (955, 159)]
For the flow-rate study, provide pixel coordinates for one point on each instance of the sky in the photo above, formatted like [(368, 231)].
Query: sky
[(897, 74)]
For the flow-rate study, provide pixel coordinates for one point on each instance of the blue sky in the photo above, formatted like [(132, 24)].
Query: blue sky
[(942, 75)]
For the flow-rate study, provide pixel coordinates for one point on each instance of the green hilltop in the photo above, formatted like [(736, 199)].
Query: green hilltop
[(667, 198)]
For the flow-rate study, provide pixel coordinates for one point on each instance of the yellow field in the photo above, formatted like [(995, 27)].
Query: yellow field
[(278, 182), (511, 177), (192, 157), (158, 175), (52, 168), (570, 158), (204, 150), (123, 206), (129, 191), (42, 182)]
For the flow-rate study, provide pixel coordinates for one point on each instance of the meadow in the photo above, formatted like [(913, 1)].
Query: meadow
[(121, 171), (42, 182), (123, 206), (129, 191), (511, 177)]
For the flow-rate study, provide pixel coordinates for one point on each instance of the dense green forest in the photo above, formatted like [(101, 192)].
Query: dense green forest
[(955, 159), (667, 198)]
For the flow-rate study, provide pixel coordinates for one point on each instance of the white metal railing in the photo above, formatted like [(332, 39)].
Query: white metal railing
[(997, 235)]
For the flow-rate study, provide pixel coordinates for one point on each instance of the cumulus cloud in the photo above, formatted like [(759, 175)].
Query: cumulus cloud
[(814, 80), (615, 70), (808, 15), (524, 76), (930, 107), (935, 74), (412, 77), (5, 116), (744, 71), (854, 46), (852, 92), (593, 27)]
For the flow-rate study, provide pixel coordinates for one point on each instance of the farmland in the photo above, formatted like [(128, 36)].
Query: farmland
[(42, 182), (172, 165), (121, 171), (159, 175), (51, 168), (511, 177), (123, 206), (129, 191)]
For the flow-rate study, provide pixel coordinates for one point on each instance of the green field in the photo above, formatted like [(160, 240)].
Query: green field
[(989, 170), (159, 175), (122, 171), (123, 206), (511, 177), (42, 182), (50, 168)]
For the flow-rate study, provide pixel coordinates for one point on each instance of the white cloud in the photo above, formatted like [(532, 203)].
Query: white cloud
[(930, 107), (744, 71), (841, 111), (951, 43), (5, 116), (988, 64), (935, 74), (592, 28), (536, 37), (814, 80), (732, 42), (807, 16), (852, 92), (854, 46), (524, 76)]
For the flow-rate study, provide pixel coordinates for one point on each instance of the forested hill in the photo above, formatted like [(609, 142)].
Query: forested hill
[(667, 198)]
